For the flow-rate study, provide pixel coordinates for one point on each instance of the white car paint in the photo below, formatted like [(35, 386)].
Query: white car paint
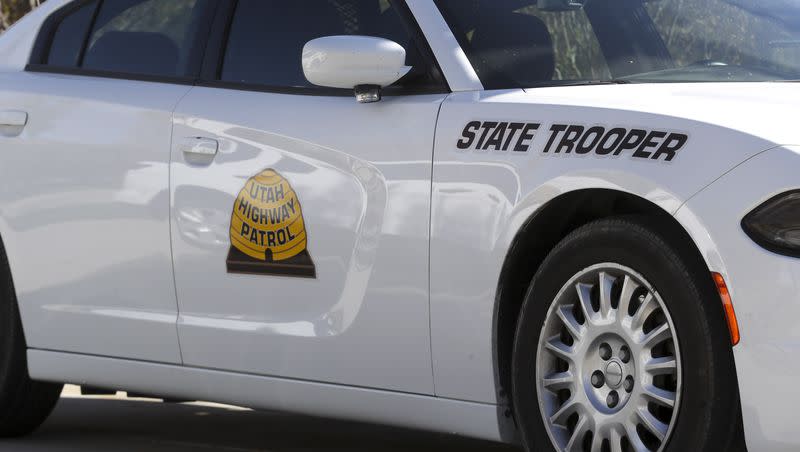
[(457, 69), (364, 320), (408, 233), (17, 41), (497, 192), (764, 287), (350, 61), (99, 232)]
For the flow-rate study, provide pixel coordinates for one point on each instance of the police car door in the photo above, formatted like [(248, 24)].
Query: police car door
[(301, 217), (85, 196)]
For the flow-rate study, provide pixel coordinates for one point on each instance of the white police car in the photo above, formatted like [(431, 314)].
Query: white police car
[(532, 223)]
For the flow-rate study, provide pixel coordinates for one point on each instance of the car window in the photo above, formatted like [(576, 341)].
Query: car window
[(577, 51), (149, 38), (267, 37), (757, 36), (510, 45), (530, 43), (152, 37), (69, 36)]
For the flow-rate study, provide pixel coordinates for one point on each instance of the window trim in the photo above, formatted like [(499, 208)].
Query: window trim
[(498, 81), (44, 40), (212, 46), (48, 69), (217, 47), (86, 36)]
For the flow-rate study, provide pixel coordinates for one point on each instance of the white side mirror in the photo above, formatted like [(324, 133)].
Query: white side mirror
[(363, 63)]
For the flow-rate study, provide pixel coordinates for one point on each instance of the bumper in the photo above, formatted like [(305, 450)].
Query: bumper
[(765, 289)]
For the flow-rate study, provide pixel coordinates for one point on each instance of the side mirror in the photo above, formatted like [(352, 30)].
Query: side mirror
[(362, 63)]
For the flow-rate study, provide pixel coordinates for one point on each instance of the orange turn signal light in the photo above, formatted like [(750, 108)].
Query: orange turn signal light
[(727, 305)]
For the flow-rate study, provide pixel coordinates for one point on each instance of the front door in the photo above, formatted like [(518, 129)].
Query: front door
[(301, 218)]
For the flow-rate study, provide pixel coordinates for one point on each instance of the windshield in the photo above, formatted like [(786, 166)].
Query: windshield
[(529, 43)]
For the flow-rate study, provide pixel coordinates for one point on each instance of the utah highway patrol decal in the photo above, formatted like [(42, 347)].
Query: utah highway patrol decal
[(268, 234)]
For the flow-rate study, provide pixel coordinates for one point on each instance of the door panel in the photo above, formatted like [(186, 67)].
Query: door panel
[(85, 216), (354, 309)]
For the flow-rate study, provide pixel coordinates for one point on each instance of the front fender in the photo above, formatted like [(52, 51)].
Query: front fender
[(481, 200), (765, 288)]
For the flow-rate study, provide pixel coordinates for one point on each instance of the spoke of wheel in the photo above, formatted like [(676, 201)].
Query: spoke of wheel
[(606, 284), (615, 440), (661, 366), (633, 438), (653, 425), (597, 442), (648, 306), (576, 440), (560, 417), (560, 350), (629, 286), (585, 297), (660, 396), (658, 335), (558, 381), (570, 322)]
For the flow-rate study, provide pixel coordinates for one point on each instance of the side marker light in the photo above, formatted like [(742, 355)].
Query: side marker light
[(727, 305)]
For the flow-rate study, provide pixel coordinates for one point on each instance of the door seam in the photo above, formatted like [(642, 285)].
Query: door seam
[(169, 218), (430, 239)]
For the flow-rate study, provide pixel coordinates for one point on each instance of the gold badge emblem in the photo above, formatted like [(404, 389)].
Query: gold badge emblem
[(268, 233)]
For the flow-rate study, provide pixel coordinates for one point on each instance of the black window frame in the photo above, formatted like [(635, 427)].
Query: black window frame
[(44, 41), (211, 42), (217, 46)]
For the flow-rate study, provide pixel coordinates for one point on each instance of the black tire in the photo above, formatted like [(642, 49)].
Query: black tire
[(24, 403), (708, 415)]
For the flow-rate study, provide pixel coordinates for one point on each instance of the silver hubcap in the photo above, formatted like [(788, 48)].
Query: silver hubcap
[(608, 366)]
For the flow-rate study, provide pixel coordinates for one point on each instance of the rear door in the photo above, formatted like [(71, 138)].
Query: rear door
[(85, 177), (300, 217)]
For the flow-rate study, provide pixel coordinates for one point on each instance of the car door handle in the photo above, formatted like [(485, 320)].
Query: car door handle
[(200, 146), (12, 118)]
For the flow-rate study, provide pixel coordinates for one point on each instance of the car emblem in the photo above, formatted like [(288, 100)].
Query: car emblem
[(268, 233)]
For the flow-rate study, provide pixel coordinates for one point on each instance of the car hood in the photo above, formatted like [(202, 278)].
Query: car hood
[(766, 110)]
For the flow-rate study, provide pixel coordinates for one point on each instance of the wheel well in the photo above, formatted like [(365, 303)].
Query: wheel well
[(542, 232)]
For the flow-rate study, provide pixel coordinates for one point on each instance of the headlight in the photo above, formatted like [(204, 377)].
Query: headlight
[(775, 225)]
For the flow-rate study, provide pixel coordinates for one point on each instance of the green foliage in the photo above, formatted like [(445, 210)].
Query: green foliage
[(171, 18), (697, 30), (693, 31), (12, 10), (577, 51)]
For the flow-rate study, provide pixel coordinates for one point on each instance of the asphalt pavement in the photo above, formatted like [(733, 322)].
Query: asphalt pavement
[(90, 424)]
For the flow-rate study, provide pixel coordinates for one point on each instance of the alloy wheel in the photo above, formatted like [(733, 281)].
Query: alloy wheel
[(608, 364)]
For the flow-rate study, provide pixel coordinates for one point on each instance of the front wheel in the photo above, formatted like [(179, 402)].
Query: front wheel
[(621, 346)]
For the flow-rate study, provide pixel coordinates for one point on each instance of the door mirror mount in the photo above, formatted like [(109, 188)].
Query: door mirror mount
[(362, 63), (368, 94)]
